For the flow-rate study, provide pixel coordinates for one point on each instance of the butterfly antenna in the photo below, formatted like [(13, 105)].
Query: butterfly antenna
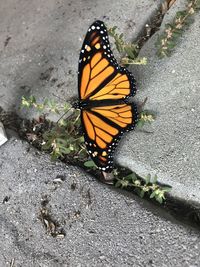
[(70, 109), (107, 178), (72, 100), (60, 98), (142, 104)]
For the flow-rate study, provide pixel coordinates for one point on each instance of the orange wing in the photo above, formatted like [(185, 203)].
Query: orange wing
[(103, 128), (100, 77)]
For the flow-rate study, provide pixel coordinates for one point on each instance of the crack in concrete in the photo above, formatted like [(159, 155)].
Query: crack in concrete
[(151, 26), (184, 211)]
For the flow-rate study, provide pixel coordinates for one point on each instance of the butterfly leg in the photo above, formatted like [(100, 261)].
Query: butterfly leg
[(107, 178)]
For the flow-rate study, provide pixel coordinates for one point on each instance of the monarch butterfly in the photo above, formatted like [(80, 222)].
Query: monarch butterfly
[(103, 87)]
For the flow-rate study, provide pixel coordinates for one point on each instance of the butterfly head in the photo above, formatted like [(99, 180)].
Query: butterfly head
[(76, 105), (80, 105)]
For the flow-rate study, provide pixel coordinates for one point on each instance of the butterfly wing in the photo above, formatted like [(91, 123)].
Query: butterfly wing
[(99, 76), (103, 128)]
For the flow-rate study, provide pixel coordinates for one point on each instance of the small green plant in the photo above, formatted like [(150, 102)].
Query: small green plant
[(63, 138), (169, 39), (48, 105), (128, 51), (145, 117), (148, 186)]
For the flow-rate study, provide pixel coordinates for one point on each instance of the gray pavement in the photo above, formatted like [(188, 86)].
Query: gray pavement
[(103, 226), (39, 44), (41, 56)]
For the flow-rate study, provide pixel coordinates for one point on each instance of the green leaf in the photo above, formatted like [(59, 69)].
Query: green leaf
[(180, 14), (198, 4), (62, 122), (56, 111), (159, 199), (166, 188), (171, 44), (118, 183), (155, 178), (148, 178), (153, 194), (169, 25), (32, 99), (66, 106), (61, 141), (140, 123), (27, 102), (71, 147), (137, 182), (146, 188), (66, 150), (131, 177), (124, 183), (142, 193), (90, 164), (45, 102), (81, 139), (129, 52)]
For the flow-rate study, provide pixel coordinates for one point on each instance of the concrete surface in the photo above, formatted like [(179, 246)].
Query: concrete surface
[(40, 42), (172, 86), (103, 226), (39, 48)]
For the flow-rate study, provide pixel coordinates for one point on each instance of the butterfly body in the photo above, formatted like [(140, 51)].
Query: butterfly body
[(104, 88), (90, 104)]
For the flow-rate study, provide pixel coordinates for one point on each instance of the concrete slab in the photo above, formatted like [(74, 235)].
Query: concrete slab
[(172, 86), (103, 226), (40, 42)]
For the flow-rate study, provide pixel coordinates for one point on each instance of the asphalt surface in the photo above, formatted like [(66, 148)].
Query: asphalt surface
[(103, 226)]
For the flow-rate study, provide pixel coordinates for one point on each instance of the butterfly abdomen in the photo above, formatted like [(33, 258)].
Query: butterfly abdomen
[(87, 104)]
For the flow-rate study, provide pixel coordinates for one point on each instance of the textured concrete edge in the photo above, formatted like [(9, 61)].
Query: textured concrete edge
[(179, 191), (186, 212), (174, 201), (143, 30)]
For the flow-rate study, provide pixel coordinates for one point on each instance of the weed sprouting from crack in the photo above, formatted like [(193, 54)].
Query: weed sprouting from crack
[(60, 139), (147, 185), (167, 41), (128, 51)]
